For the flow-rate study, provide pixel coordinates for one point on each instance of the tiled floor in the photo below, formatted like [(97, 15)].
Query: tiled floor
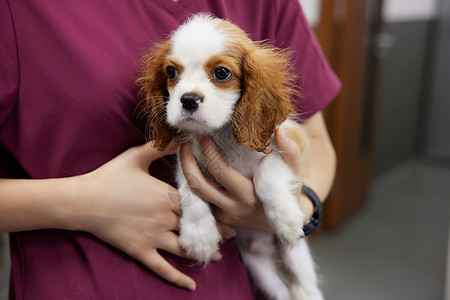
[(394, 249)]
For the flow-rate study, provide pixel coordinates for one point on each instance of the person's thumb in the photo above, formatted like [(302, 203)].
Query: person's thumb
[(289, 150), (145, 154)]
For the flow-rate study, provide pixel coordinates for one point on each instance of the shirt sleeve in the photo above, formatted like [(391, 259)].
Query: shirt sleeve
[(318, 84), (9, 70)]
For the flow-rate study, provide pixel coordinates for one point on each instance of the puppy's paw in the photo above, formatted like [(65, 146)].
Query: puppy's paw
[(277, 187), (298, 293), (288, 225), (200, 238)]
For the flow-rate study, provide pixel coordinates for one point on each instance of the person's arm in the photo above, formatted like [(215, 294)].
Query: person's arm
[(319, 167), (238, 204), (119, 203)]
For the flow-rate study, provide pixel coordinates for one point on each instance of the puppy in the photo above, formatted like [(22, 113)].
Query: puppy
[(210, 79)]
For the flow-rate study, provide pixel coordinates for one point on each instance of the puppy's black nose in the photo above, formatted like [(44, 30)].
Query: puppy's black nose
[(191, 101)]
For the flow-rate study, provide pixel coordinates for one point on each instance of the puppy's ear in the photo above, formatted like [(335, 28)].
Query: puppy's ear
[(153, 87), (266, 96)]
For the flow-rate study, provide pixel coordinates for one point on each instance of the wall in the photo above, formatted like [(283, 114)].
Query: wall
[(437, 125), (395, 11), (403, 73), (311, 9)]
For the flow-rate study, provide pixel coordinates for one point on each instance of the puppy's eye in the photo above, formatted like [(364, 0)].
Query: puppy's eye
[(172, 72), (222, 74)]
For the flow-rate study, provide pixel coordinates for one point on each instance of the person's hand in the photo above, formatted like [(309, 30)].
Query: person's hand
[(290, 153), (235, 201), (126, 207)]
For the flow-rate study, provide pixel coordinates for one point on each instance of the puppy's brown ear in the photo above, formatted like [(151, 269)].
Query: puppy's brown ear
[(266, 96), (153, 87)]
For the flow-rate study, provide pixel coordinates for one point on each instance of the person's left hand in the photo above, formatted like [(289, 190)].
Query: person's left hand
[(235, 202)]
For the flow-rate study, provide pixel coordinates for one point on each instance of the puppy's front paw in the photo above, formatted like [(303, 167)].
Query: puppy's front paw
[(200, 238), (276, 187), (289, 225)]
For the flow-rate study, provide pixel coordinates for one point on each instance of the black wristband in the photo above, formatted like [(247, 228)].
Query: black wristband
[(316, 219)]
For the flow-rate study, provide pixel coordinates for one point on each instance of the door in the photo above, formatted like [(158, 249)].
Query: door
[(347, 31)]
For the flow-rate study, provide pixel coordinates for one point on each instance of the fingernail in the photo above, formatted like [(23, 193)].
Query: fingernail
[(203, 138), (282, 138), (206, 141), (181, 137), (191, 286), (217, 256), (228, 233)]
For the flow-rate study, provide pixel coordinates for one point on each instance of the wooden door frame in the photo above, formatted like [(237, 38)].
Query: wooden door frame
[(346, 32)]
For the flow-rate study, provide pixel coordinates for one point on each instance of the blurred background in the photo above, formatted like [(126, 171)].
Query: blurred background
[(386, 227)]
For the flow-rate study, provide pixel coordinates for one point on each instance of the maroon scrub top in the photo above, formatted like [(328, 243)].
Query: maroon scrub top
[(68, 105)]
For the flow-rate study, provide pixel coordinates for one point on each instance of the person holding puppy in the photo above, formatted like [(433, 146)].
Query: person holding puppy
[(86, 218)]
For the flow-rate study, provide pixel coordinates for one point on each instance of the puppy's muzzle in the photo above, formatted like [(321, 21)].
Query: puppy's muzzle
[(191, 101)]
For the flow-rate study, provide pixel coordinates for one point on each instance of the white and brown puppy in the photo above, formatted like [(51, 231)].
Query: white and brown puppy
[(210, 79)]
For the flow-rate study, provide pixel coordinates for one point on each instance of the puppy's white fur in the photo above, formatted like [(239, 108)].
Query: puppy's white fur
[(192, 45)]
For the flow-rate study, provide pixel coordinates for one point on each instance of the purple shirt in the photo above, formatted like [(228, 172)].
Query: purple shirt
[(68, 105)]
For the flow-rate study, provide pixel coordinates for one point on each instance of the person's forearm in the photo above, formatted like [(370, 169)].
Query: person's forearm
[(35, 204), (119, 203), (319, 166)]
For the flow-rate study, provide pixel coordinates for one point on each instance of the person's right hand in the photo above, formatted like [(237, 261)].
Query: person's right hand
[(123, 205)]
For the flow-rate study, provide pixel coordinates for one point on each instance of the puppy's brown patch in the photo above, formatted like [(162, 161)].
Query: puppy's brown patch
[(178, 66), (227, 62)]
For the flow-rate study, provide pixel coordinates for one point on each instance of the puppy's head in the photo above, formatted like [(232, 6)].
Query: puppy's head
[(209, 74)]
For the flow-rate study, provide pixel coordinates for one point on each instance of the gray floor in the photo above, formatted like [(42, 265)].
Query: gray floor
[(4, 267), (394, 248)]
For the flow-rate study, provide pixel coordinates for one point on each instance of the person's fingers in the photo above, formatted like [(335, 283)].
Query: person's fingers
[(227, 231), (172, 222), (147, 153), (233, 181), (171, 243), (161, 267), (197, 182), (289, 151), (175, 198)]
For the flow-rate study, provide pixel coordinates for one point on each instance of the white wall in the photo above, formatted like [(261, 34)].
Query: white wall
[(409, 10), (393, 10), (311, 8)]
